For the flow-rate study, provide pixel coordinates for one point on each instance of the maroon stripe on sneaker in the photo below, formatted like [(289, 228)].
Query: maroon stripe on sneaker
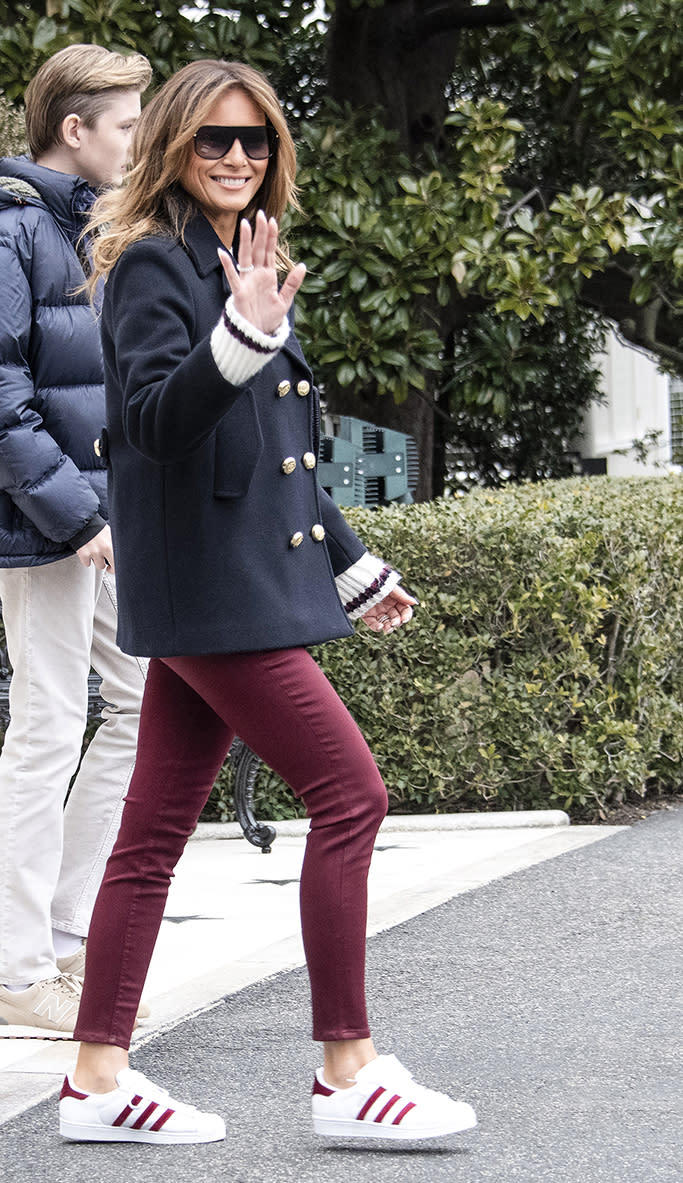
[(126, 1112), (123, 1115), (68, 1091), (406, 1109), (321, 1089), (370, 1102), (140, 1121), (161, 1121), (389, 1105)]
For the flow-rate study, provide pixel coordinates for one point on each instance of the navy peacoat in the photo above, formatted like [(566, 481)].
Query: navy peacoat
[(224, 540)]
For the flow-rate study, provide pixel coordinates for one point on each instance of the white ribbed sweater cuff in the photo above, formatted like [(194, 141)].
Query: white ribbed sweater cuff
[(365, 584), (239, 349)]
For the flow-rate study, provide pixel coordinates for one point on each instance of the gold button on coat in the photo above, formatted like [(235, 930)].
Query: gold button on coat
[(283, 388), (97, 448), (296, 539), (318, 532), (288, 465), (303, 388), (308, 460)]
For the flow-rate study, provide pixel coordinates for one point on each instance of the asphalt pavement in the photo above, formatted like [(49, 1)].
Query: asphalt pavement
[(548, 995)]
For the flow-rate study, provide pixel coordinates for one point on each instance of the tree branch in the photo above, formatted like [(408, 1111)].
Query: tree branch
[(448, 18), (523, 201), (642, 332), (655, 326)]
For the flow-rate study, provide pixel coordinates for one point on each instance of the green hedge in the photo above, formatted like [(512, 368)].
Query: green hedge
[(544, 667)]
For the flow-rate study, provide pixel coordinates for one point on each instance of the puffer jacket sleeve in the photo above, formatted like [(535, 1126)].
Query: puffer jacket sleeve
[(42, 481)]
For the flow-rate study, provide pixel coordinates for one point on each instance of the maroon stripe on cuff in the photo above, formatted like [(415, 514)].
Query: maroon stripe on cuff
[(363, 597), (244, 339)]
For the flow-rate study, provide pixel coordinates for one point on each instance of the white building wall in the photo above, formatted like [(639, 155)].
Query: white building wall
[(636, 404)]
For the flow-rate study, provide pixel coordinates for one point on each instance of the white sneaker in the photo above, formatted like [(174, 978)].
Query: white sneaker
[(385, 1102), (136, 1111), (46, 1010)]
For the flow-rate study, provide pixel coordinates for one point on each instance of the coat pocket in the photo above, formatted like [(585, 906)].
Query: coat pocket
[(239, 444)]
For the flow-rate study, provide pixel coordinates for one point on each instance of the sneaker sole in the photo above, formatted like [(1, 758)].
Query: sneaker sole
[(330, 1127), (7, 1031), (10, 1032), (75, 1132)]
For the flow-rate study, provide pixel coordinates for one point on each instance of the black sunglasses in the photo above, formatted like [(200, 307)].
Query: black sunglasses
[(213, 142)]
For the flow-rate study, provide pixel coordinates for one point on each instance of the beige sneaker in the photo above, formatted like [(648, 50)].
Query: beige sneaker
[(75, 964), (47, 1010)]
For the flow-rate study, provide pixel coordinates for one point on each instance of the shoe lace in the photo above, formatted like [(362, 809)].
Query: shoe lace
[(401, 1077), (68, 984), (155, 1092)]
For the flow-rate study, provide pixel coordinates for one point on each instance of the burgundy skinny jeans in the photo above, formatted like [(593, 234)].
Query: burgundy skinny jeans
[(281, 704)]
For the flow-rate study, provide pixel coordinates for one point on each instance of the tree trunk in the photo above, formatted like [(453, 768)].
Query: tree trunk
[(400, 58), (393, 57)]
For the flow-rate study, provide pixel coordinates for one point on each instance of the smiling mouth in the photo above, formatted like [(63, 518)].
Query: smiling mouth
[(231, 182)]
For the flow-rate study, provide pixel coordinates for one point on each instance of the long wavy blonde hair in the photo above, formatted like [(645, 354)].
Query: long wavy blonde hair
[(152, 200)]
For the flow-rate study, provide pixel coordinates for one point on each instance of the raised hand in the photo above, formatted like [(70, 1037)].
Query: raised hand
[(254, 282)]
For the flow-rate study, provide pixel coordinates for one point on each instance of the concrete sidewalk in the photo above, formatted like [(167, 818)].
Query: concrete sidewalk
[(232, 915)]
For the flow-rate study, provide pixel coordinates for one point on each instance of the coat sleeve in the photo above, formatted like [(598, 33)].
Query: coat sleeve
[(172, 392), (43, 482), (343, 544), (362, 579)]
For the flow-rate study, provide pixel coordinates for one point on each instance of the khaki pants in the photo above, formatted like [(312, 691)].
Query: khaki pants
[(60, 618)]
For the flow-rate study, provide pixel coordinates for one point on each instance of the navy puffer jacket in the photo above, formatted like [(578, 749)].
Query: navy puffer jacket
[(52, 485)]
